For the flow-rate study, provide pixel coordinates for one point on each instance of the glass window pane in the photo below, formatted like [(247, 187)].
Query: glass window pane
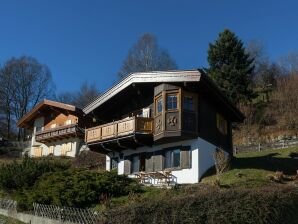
[(188, 103), (114, 163), (159, 105), (171, 102), (176, 158), (135, 164)]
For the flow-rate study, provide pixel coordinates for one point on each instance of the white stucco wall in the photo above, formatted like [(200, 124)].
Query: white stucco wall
[(202, 159), (76, 143)]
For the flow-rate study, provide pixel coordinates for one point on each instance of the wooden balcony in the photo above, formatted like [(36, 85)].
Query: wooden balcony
[(127, 133), (62, 132)]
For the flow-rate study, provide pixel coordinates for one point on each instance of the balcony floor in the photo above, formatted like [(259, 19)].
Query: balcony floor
[(131, 141)]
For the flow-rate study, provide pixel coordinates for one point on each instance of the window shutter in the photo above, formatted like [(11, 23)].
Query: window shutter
[(158, 160), (185, 157), (149, 162), (127, 165)]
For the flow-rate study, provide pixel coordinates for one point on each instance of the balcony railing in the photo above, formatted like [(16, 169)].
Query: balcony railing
[(58, 133), (118, 129)]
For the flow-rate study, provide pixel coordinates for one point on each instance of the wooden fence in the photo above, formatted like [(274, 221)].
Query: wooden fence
[(67, 214), (261, 146)]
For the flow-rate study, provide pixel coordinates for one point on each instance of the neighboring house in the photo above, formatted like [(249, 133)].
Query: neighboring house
[(57, 129), (157, 121)]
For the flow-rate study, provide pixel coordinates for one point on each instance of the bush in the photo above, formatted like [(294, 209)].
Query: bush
[(90, 160), (77, 188), (16, 176), (262, 205)]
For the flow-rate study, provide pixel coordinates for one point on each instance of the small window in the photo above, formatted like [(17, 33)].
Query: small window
[(221, 124), (53, 125), (172, 158), (51, 150), (159, 105), (135, 164), (38, 128), (171, 102), (188, 103), (114, 163), (68, 122)]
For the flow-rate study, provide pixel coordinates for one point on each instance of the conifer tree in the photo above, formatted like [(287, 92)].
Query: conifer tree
[(231, 67)]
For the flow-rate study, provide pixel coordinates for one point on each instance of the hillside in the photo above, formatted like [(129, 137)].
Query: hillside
[(272, 115), (252, 169)]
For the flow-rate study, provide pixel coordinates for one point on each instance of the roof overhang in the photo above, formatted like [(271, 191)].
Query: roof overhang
[(183, 76), (25, 121), (144, 77)]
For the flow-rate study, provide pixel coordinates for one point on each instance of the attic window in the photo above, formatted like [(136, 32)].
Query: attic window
[(221, 124), (188, 103)]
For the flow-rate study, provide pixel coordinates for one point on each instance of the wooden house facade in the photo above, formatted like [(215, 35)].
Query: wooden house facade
[(58, 129), (162, 121)]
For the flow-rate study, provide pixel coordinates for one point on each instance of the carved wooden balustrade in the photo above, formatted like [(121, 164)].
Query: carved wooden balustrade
[(58, 133), (119, 129)]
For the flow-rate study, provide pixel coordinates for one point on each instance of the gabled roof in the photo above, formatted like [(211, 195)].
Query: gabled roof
[(144, 77), (27, 118), (183, 76)]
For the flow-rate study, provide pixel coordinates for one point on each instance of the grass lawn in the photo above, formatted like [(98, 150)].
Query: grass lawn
[(7, 220), (251, 169)]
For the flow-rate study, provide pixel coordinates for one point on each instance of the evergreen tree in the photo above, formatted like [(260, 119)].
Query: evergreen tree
[(231, 67)]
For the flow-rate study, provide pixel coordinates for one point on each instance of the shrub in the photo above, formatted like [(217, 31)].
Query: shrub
[(15, 176), (262, 205), (77, 188), (90, 160)]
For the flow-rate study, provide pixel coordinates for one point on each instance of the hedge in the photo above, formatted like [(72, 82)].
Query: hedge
[(257, 205)]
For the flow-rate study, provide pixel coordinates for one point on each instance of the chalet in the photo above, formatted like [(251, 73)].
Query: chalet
[(57, 129), (162, 124)]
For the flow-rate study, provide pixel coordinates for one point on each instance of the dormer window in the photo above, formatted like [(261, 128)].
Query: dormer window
[(53, 125), (172, 102)]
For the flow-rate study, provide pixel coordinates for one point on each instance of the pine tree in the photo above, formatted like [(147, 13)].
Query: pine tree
[(231, 67)]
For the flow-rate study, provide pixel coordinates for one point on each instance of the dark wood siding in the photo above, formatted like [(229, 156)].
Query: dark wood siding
[(207, 124)]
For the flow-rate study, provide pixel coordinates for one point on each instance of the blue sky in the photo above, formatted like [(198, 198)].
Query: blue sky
[(87, 40)]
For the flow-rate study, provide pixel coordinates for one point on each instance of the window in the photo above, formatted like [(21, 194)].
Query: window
[(221, 124), (188, 103), (53, 125), (171, 102), (38, 128), (135, 164), (68, 122), (172, 158), (114, 163), (51, 150), (159, 105)]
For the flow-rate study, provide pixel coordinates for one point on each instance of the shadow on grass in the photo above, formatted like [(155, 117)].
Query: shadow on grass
[(268, 162)]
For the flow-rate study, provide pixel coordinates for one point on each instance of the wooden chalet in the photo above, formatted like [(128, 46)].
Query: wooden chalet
[(161, 121), (57, 129)]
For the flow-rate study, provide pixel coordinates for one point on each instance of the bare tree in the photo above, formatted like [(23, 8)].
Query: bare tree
[(222, 163), (6, 101), (27, 82), (79, 98), (145, 56), (286, 96), (289, 63)]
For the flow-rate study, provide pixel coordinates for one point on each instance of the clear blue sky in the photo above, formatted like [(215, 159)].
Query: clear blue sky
[(87, 40)]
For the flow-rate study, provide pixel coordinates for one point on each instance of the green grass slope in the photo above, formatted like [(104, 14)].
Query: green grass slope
[(251, 169)]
